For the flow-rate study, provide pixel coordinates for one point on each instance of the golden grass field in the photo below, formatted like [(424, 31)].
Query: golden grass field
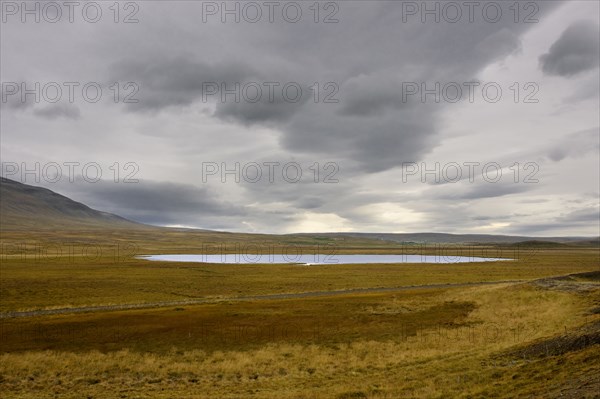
[(536, 336)]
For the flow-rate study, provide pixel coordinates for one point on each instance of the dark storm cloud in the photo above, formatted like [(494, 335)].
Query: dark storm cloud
[(153, 202), (172, 81), (372, 125), (240, 92), (265, 110), (372, 95), (374, 143), (577, 50)]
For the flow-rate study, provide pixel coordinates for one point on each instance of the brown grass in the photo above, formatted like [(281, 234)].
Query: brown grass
[(447, 351)]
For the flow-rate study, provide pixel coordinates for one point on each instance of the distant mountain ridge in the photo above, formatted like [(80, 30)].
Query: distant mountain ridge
[(23, 207), (447, 238)]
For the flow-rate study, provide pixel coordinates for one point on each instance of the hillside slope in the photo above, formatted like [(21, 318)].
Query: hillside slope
[(28, 207)]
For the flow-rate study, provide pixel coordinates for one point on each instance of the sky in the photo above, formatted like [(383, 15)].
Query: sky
[(332, 116)]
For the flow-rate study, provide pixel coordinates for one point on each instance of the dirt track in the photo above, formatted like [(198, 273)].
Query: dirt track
[(106, 308)]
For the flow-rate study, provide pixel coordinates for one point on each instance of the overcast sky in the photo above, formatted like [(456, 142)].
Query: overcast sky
[(510, 145)]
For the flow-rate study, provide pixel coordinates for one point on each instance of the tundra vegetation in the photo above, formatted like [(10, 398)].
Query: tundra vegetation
[(212, 330)]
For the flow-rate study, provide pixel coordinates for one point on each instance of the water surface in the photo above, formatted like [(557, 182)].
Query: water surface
[(315, 259)]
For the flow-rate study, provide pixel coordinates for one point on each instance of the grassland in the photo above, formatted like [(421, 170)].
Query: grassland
[(476, 341), (433, 343), (34, 283)]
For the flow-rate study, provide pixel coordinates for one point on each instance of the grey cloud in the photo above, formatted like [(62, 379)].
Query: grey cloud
[(58, 110), (153, 202), (175, 80), (586, 89), (391, 52), (584, 215), (554, 228), (498, 217), (577, 144), (576, 51), (534, 201), (309, 203), (266, 110), (10, 96), (482, 218), (536, 228), (374, 125), (183, 80), (372, 95), (14, 101), (376, 144), (499, 44), (486, 190)]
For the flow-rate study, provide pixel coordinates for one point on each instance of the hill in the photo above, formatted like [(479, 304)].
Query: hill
[(25, 207)]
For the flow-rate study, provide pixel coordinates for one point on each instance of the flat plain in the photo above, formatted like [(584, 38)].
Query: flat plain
[(215, 330)]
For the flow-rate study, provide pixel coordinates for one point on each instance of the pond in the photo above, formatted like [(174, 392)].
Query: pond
[(315, 259)]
